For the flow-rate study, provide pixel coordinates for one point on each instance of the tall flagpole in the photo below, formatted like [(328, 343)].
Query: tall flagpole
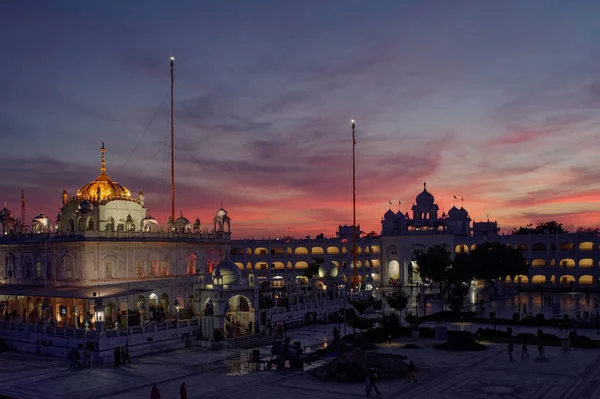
[(172, 142), (354, 285)]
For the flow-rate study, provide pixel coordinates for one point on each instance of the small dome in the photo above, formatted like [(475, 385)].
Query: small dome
[(221, 212), (400, 215), (328, 270), (389, 214), (454, 213), (228, 271), (182, 220), (425, 199), (464, 213), (85, 206), (5, 212)]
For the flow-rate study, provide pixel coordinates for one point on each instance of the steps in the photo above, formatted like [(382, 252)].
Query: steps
[(250, 341)]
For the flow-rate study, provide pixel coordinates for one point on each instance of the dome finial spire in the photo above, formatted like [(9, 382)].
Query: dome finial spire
[(103, 164)]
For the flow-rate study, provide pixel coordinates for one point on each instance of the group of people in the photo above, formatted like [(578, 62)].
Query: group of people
[(122, 356), (278, 330), (75, 359), (524, 350), (157, 313), (155, 393), (372, 377)]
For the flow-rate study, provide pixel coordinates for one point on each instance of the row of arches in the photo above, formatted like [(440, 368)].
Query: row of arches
[(585, 262), (331, 250), (89, 224), (541, 279), (300, 265), (564, 246)]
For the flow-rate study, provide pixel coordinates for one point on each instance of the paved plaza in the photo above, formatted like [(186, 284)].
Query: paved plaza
[(220, 374)]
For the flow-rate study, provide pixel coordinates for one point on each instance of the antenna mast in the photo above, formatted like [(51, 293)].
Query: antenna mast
[(23, 212), (172, 142), (354, 285)]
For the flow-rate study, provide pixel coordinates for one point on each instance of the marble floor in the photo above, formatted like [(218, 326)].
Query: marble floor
[(221, 374)]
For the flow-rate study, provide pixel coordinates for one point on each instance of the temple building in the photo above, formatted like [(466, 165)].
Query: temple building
[(105, 244)]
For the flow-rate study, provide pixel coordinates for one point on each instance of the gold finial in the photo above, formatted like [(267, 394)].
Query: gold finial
[(103, 166)]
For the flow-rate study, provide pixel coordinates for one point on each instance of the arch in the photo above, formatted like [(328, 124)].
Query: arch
[(68, 264), (566, 246), (249, 266), (71, 225), (317, 251), (358, 250), (366, 249), (261, 251), (289, 250), (375, 263), (394, 269), (191, 263), (153, 299), (240, 265), (153, 265), (586, 262), (538, 263), (344, 250), (10, 269), (261, 266), (80, 225), (567, 263), (90, 224), (586, 246), (538, 279), (358, 264), (301, 265), (473, 247), (375, 249), (552, 262), (333, 251), (521, 279), (278, 265), (567, 279), (165, 269), (111, 266), (586, 279), (461, 249), (539, 246), (301, 251), (289, 266), (140, 303), (164, 302), (239, 303), (110, 224), (392, 250), (237, 251)]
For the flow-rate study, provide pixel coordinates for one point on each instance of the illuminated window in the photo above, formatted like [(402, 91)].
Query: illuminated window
[(108, 269), (164, 268), (139, 267)]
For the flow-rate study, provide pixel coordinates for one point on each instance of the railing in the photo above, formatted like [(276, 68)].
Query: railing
[(81, 333)]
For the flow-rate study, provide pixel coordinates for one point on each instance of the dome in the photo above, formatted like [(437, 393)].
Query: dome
[(182, 221), (5, 212), (228, 271), (425, 199), (454, 213), (463, 212), (400, 215), (85, 206), (221, 212), (389, 214), (328, 270), (103, 187)]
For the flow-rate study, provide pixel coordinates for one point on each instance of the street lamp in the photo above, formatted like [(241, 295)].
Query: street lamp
[(176, 303)]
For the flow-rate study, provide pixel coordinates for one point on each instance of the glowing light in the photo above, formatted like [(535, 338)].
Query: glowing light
[(352, 120), (172, 58)]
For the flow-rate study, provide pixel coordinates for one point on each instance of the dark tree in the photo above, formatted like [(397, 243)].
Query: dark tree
[(589, 230), (551, 227), (434, 263), (313, 269), (397, 300), (494, 261)]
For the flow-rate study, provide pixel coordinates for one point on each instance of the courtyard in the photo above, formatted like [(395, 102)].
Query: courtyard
[(222, 374)]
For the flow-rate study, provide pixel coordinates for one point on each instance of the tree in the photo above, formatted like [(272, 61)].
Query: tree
[(588, 230), (551, 227), (371, 234), (313, 269), (434, 263), (494, 261), (397, 300)]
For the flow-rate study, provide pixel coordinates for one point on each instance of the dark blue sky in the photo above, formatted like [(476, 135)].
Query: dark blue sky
[(496, 102)]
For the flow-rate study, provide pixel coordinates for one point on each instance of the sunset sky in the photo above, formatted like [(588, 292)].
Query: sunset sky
[(496, 102)]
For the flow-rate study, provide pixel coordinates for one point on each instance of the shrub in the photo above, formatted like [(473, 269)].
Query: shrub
[(539, 318)]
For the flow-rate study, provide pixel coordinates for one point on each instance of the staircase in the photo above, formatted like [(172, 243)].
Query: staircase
[(250, 341)]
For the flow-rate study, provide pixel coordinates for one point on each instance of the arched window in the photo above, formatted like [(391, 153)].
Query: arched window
[(80, 226), (90, 224), (191, 264), (71, 225), (110, 224)]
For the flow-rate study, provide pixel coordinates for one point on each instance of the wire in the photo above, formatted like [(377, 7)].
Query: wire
[(147, 127)]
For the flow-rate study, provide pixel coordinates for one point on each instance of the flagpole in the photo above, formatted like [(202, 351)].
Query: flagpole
[(172, 142), (354, 285)]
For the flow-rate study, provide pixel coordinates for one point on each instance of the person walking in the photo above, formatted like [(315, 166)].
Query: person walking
[(371, 381), (524, 353), (126, 354), (155, 393), (510, 351), (117, 355), (412, 372), (182, 391), (524, 309)]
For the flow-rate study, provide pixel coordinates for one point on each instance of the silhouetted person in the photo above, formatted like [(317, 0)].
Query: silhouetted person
[(182, 391), (126, 357), (155, 394), (371, 380), (117, 355), (412, 372), (524, 353), (524, 310)]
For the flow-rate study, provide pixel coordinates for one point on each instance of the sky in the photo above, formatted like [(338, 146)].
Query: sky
[(496, 103)]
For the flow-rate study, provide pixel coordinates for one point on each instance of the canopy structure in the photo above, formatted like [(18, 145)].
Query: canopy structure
[(91, 292)]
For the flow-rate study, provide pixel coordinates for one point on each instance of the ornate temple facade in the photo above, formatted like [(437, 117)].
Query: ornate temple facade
[(104, 244)]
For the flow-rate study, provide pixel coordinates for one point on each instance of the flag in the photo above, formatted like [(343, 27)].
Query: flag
[(399, 202), (390, 202), (455, 197), (462, 198)]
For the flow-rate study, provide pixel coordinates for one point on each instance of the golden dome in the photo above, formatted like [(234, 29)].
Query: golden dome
[(103, 187)]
